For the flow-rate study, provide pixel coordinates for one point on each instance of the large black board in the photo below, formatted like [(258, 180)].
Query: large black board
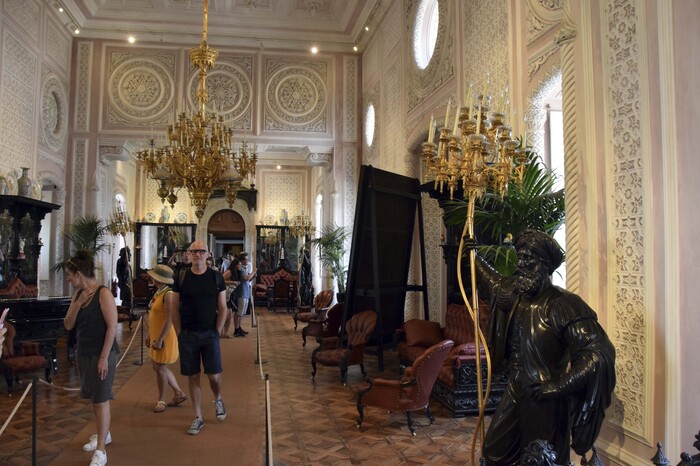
[(387, 213)]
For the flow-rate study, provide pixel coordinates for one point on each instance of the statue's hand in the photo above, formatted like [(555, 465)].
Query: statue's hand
[(545, 391)]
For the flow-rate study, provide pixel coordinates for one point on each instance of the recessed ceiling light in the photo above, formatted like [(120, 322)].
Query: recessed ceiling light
[(60, 9), (355, 48), (279, 167), (75, 30), (131, 39), (314, 49), (366, 28)]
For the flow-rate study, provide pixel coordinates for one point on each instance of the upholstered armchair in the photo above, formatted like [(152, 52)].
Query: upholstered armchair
[(28, 360), (321, 303), (337, 352), (326, 325), (410, 393)]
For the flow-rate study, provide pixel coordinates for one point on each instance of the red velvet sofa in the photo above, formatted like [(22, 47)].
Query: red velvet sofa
[(456, 386)]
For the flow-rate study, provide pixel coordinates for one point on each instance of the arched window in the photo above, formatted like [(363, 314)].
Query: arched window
[(370, 121)]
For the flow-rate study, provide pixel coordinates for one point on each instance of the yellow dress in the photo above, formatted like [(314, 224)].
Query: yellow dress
[(169, 353)]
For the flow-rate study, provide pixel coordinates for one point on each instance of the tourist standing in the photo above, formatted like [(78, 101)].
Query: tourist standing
[(200, 294), (93, 313)]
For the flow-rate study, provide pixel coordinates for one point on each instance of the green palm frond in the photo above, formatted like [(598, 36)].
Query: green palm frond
[(86, 233), (532, 204)]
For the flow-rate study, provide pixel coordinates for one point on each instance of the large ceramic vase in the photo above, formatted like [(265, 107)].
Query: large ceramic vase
[(24, 184)]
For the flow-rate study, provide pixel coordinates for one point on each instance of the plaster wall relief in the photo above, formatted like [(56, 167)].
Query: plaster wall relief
[(392, 139), (391, 30), (434, 263), (371, 63), (628, 246), (350, 181), (78, 181), (542, 16), (423, 82), (140, 88), (18, 74), (57, 47), (230, 90), (296, 95), (283, 191), (350, 98), (485, 31), (26, 14), (534, 63), (54, 113), (82, 86)]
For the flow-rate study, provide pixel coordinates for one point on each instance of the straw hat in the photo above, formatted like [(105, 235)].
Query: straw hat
[(162, 273)]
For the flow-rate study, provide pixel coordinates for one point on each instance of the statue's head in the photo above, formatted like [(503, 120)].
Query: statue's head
[(539, 255)]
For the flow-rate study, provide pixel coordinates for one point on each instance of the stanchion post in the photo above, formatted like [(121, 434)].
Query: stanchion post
[(35, 382)]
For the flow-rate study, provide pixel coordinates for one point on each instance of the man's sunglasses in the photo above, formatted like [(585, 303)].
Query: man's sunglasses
[(198, 251)]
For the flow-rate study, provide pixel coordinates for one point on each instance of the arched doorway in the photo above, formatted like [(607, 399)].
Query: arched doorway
[(226, 232)]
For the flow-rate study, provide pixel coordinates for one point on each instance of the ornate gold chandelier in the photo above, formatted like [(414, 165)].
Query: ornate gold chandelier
[(301, 226), (119, 222), (483, 155), (199, 155)]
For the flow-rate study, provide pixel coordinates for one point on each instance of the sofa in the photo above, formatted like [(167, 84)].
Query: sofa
[(456, 386), (17, 289)]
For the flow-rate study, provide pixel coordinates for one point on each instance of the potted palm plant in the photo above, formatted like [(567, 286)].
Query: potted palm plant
[(331, 250), (497, 220), (86, 233)]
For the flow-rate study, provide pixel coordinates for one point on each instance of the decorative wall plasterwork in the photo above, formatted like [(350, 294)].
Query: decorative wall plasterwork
[(422, 83), (140, 88), (54, 113), (78, 182), (296, 95), (57, 47), (542, 16), (433, 229), (321, 159), (82, 91), (629, 270), (230, 89), (350, 172), (534, 63), (18, 94), (283, 191), (26, 14), (485, 31), (391, 30), (371, 64), (350, 90), (392, 130)]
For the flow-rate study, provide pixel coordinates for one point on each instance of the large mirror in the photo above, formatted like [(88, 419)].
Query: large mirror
[(156, 242)]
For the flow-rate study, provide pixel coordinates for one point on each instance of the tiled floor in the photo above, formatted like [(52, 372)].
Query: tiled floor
[(313, 423)]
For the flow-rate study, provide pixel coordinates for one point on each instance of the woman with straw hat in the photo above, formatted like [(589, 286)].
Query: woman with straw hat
[(162, 341)]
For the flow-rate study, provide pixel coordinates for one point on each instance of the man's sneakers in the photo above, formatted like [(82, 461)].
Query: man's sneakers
[(220, 410), (92, 444), (239, 332), (196, 426), (99, 458)]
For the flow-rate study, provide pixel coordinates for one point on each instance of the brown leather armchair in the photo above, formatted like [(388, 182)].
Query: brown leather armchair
[(410, 393), (307, 313), (326, 327), (334, 352), (28, 360)]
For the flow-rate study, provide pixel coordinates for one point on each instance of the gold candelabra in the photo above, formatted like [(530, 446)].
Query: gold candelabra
[(199, 155), (484, 155), (301, 226), (119, 222)]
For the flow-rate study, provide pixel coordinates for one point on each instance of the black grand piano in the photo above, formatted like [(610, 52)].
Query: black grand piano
[(35, 318)]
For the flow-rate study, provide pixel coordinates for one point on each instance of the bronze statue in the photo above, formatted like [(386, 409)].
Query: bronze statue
[(561, 363)]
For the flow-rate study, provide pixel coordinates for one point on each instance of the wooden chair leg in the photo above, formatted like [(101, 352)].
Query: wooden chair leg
[(429, 414)]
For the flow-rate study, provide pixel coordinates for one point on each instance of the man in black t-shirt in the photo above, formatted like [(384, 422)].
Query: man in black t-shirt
[(200, 296)]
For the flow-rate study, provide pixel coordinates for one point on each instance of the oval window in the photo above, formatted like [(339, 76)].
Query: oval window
[(369, 125), (426, 31)]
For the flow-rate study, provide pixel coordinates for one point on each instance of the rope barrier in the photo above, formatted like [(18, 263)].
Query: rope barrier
[(268, 418), (136, 331), (14, 411)]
